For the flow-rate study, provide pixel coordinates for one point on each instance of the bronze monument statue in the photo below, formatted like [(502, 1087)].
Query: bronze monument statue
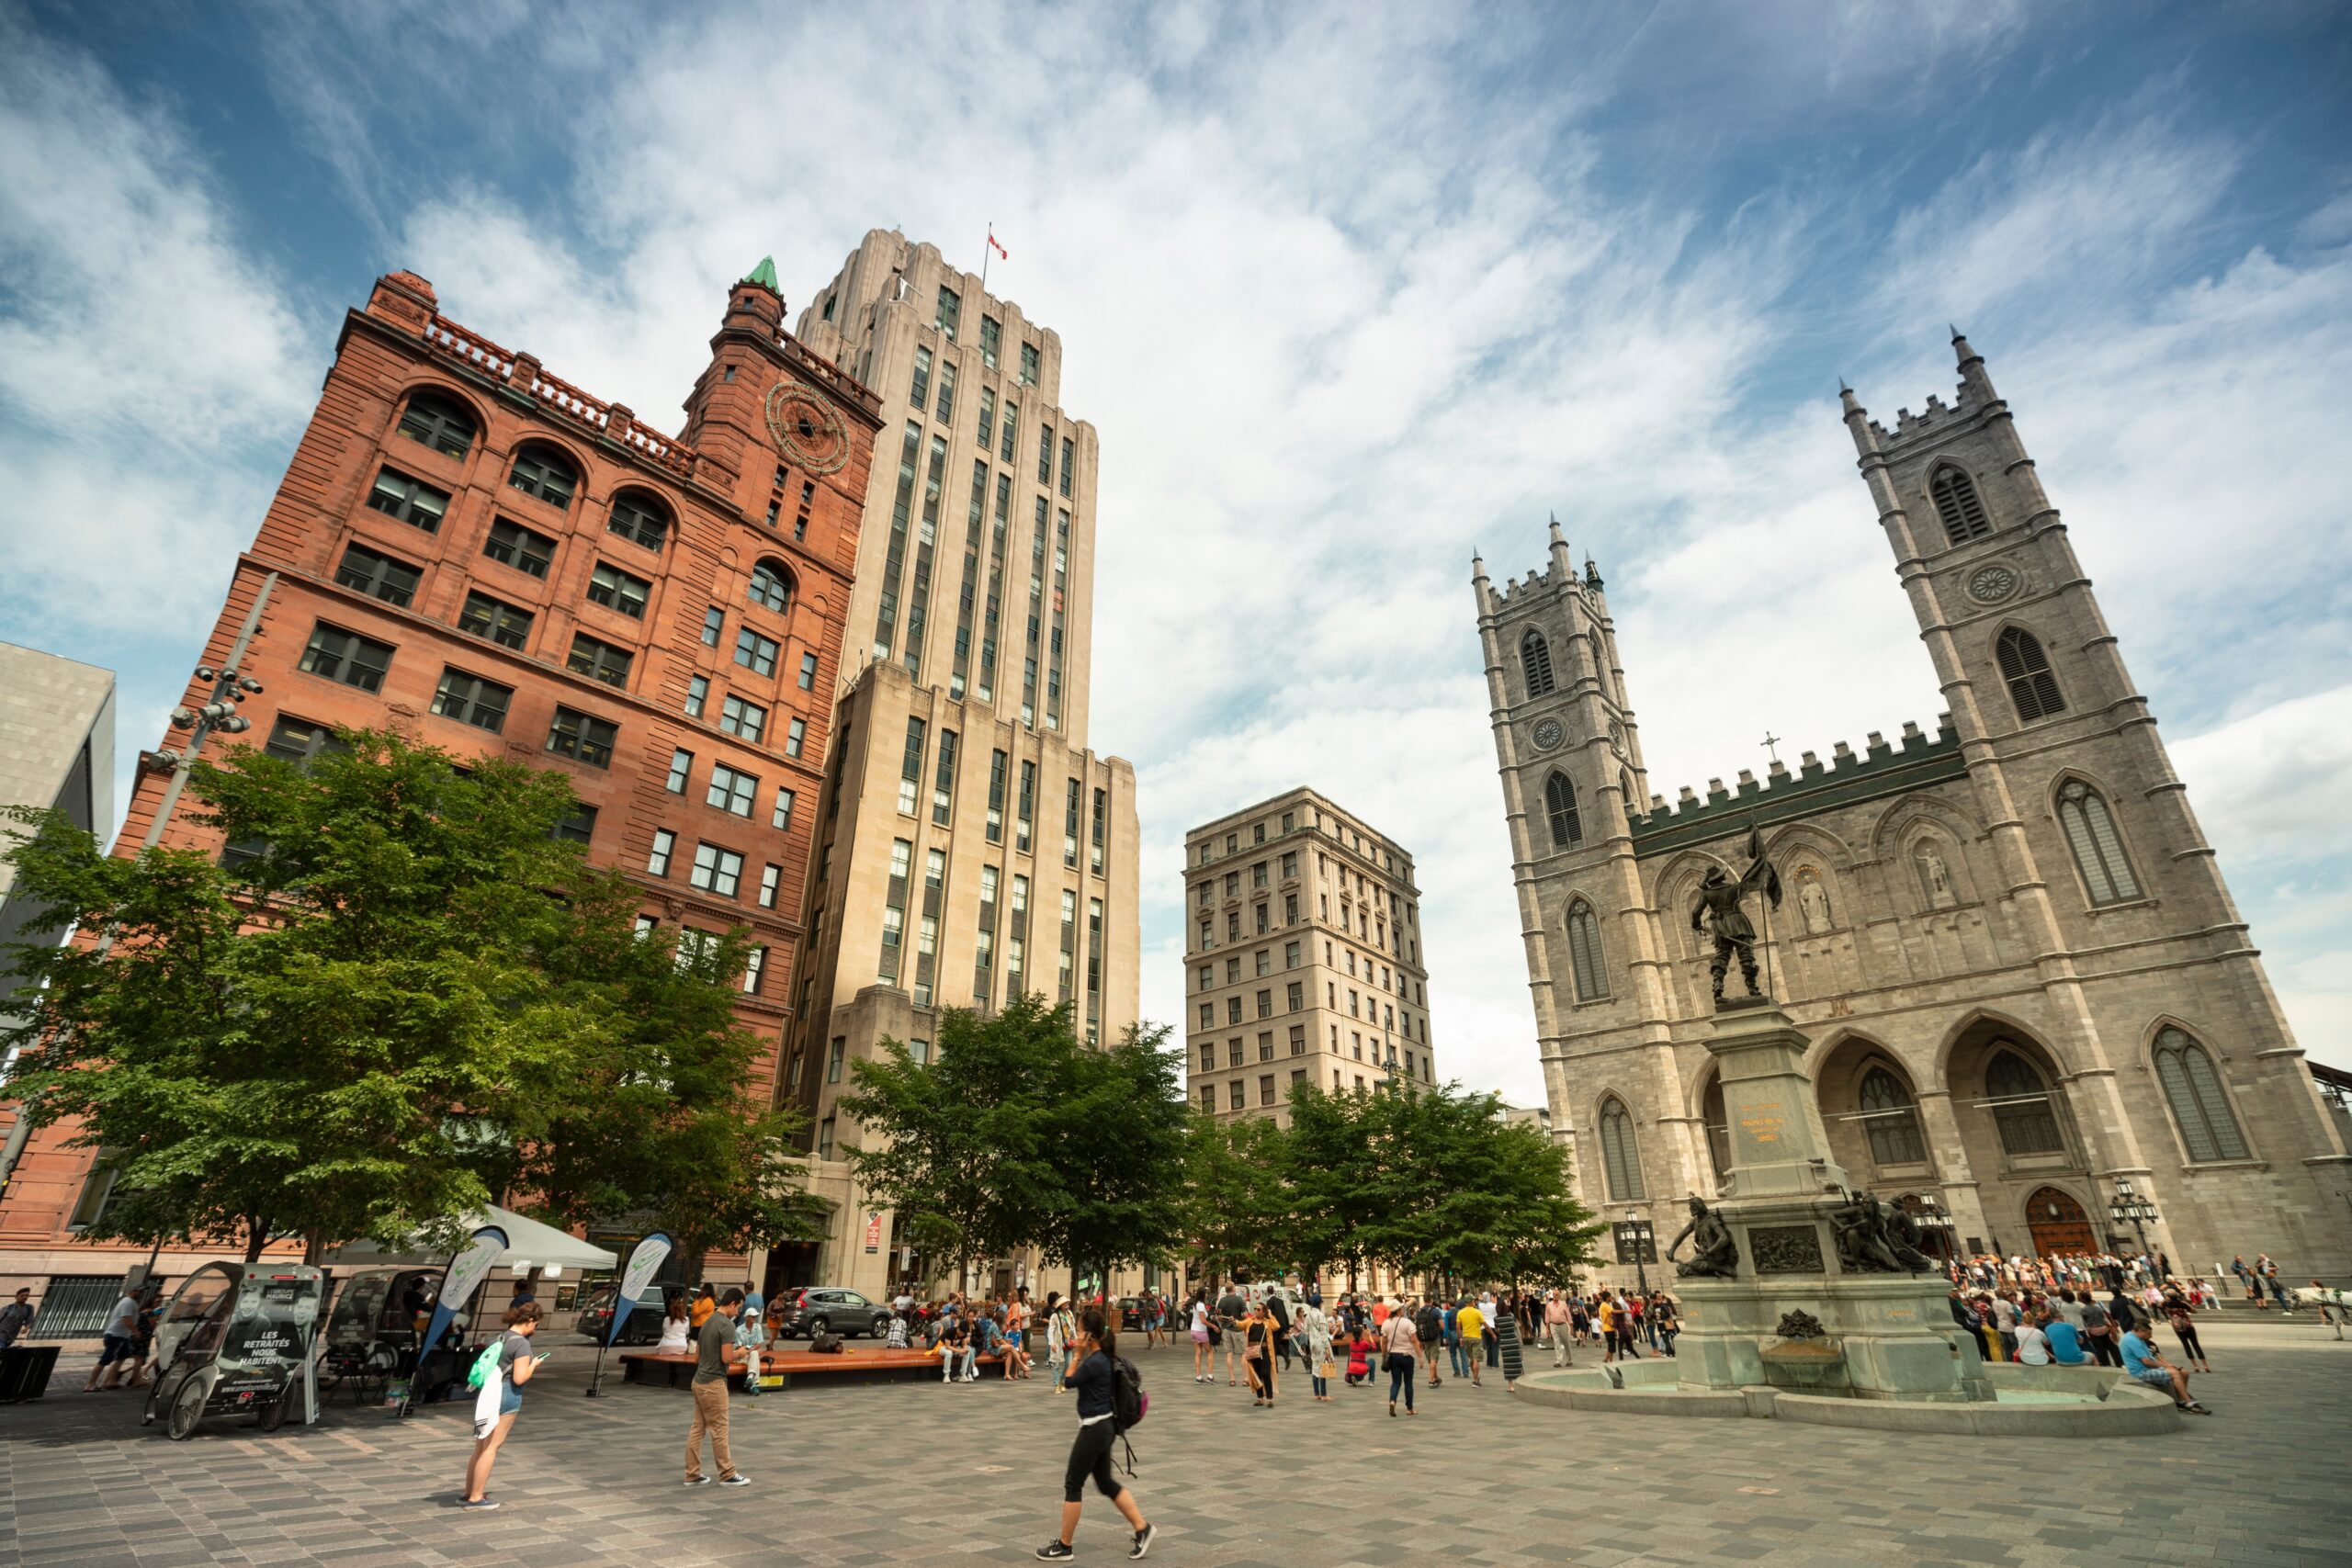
[(1717, 910), (1713, 1253), (1875, 1237)]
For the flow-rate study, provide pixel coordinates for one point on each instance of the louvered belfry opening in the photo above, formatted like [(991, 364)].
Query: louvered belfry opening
[(1957, 504), (2033, 687)]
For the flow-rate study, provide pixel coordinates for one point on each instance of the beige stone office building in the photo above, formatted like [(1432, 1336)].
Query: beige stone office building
[(1303, 958), (2021, 971), (969, 846)]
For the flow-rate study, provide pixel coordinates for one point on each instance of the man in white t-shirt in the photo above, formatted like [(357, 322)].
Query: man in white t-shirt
[(120, 1345)]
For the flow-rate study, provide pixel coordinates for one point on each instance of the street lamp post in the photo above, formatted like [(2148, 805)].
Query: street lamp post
[(2130, 1207), (1932, 1215), (1638, 1238)]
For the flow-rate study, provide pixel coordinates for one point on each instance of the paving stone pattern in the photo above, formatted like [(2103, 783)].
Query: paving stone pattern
[(921, 1474)]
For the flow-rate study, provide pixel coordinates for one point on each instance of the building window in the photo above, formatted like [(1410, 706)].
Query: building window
[(524, 550), (639, 519), (807, 672), (991, 341), (1068, 451), (714, 621), (1535, 662), (576, 828), (1621, 1158), (731, 791), (598, 659), (781, 817), (2026, 668), (945, 413), (737, 716), (1026, 812), (379, 576), (577, 735), (1891, 1120), (470, 699), (698, 694), (2091, 833), (1584, 952), (665, 845), (501, 623), (1028, 364), (795, 735), (943, 783), (894, 911), (2192, 1087), (2018, 1097), (540, 473), (755, 966), (412, 500), (616, 590), (919, 391), (1560, 806), (347, 656), (825, 1138), (1956, 503), (682, 767), (717, 869), (1008, 434), (756, 652), (951, 308), (438, 423)]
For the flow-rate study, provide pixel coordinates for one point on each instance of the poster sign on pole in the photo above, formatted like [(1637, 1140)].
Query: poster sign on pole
[(873, 1230)]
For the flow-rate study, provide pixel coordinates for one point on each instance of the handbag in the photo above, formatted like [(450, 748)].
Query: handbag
[(1329, 1369)]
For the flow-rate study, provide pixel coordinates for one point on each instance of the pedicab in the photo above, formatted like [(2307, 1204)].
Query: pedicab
[(371, 1338), (236, 1341)]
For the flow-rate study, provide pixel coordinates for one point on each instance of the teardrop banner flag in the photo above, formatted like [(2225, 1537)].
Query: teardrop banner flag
[(644, 1261), (466, 1271)]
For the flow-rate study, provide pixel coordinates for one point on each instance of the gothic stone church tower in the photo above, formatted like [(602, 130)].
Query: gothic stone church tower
[(2009, 941)]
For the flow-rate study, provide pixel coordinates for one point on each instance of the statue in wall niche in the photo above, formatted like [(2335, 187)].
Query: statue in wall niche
[(1813, 901), (1717, 913), (1935, 877), (1713, 1252)]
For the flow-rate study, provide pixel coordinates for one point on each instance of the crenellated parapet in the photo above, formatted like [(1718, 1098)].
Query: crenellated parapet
[(1880, 769)]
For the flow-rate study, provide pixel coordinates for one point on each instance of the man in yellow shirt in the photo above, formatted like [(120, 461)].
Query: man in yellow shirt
[(1471, 1324)]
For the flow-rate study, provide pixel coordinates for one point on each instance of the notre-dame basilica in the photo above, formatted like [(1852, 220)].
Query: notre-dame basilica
[(2009, 944)]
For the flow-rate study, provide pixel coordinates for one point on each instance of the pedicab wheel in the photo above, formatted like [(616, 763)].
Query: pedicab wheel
[(273, 1415), (188, 1411)]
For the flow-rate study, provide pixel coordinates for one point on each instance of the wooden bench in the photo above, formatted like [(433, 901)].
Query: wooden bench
[(778, 1368)]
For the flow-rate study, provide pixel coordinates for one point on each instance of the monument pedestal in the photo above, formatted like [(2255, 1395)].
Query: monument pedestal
[(1871, 1334)]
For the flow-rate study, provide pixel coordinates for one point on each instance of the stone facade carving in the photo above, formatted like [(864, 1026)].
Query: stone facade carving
[(1786, 1249)]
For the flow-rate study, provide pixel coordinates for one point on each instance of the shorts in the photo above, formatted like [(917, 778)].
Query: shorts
[(118, 1347), (1200, 1337), (2154, 1377), (509, 1400)]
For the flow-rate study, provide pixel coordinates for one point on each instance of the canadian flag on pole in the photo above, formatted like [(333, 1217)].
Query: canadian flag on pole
[(998, 248)]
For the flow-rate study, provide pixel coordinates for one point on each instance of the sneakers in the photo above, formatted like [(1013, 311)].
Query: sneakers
[(1055, 1551), (1144, 1538), (738, 1479), (479, 1504), (698, 1480)]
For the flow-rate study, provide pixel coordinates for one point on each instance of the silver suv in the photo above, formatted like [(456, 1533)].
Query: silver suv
[(831, 1309)]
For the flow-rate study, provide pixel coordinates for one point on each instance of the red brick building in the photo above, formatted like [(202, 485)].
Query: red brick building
[(469, 549)]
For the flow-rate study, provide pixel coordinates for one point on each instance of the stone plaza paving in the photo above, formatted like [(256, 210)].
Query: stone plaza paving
[(920, 1473)]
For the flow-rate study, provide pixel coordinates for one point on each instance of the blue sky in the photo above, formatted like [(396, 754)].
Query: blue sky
[(1349, 291)]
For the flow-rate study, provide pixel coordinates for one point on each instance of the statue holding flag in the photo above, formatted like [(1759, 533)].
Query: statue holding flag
[(1717, 910)]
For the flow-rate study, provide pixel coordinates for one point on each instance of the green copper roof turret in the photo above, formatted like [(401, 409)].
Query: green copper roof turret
[(764, 273)]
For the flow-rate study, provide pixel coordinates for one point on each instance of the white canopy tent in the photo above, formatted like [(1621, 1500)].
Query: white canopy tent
[(529, 1245)]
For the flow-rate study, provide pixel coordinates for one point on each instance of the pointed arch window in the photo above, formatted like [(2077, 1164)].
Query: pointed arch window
[(1535, 660), (2032, 688), (2089, 828), (2018, 1097), (2192, 1086), (1560, 806), (1957, 503), (1584, 952), (1891, 1120), (1620, 1156)]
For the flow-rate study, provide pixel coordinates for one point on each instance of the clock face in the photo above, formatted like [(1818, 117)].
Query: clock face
[(1990, 584), (1549, 733), (805, 430)]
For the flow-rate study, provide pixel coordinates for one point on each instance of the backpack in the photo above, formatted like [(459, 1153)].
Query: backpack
[(825, 1345), (1130, 1404), (1281, 1309), (1426, 1325), (485, 1365)]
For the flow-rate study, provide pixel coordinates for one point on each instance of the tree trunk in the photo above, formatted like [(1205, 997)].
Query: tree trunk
[(314, 1245), (256, 1236)]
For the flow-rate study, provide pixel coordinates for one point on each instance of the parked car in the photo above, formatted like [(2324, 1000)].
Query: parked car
[(644, 1325), (1130, 1314), (831, 1309)]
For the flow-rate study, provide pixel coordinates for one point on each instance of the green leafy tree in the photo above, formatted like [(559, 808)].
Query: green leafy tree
[(1236, 1204), (1116, 1137), (369, 1018)]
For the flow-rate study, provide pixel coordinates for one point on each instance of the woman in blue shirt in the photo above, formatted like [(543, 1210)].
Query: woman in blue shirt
[(1094, 1373)]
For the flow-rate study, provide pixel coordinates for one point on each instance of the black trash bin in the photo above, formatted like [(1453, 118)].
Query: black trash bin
[(24, 1371)]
